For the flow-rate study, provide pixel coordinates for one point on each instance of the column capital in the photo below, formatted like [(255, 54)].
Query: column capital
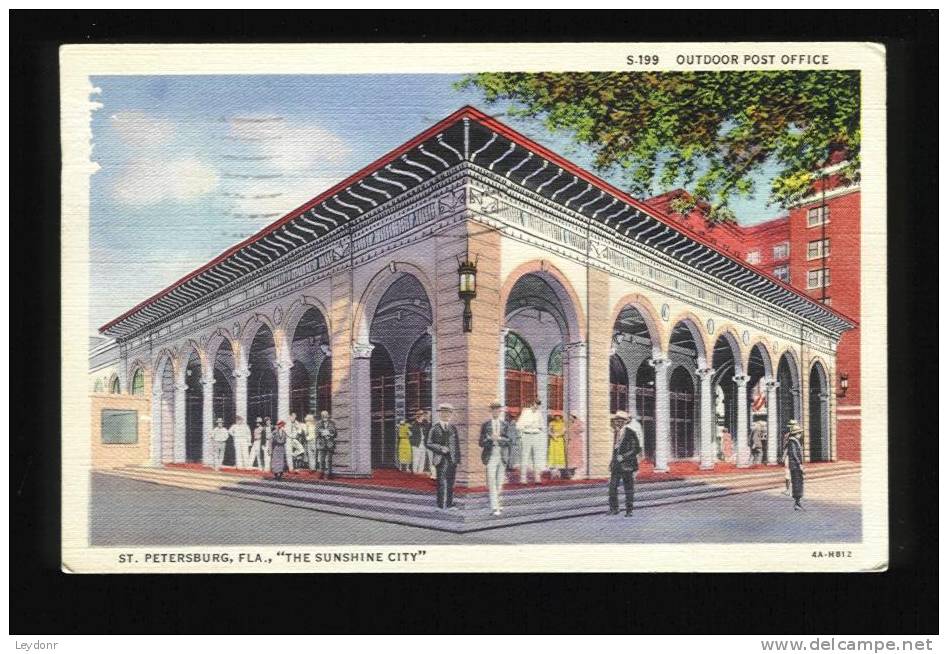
[(207, 381), (362, 350), (576, 349), (431, 331), (283, 365), (741, 380), (659, 362), (242, 371), (772, 384), (181, 386), (824, 396), (704, 374)]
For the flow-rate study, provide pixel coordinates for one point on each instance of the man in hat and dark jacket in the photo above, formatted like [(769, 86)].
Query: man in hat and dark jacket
[(496, 438), (445, 449), (625, 460), (794, 458)]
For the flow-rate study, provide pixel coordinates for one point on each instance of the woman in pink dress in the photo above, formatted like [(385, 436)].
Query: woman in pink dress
[(575, 446)]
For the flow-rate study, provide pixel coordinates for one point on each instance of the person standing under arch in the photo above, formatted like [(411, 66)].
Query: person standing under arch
[(533, 442), (219, 437), (240, 432)]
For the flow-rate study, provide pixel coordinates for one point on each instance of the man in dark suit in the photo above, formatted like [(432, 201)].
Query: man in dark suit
[(497, 434), (445, 447), (625, 460)]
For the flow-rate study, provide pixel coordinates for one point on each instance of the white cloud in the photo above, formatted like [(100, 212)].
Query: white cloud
[(145, 182), (138, 129), (290, 146)]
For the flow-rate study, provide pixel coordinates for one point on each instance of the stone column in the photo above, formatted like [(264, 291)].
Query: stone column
[(241, 375), (502, 380), (432, 332), (361, 436), (180, 424), (662, 417), (283, 389), (574, 357), (773, 429), (207, 420), (155, 445), (706, 422), (743, 450)]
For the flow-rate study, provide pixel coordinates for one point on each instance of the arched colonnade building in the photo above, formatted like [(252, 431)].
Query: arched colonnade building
[(585, 298)]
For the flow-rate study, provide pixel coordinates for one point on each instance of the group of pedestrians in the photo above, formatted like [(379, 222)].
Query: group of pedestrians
[(278, 448)]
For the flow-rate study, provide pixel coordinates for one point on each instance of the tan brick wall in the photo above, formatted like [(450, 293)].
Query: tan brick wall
[(116, 455), (340, 342), (600, 344), (483, 357)]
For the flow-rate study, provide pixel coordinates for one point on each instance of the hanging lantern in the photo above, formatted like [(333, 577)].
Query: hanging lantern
[(467, 287)]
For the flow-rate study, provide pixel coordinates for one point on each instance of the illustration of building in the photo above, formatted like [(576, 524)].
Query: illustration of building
[(581, 295)]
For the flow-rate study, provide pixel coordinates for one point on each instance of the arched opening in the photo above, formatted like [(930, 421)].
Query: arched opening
[(645, 406), (520, 374), (383, 409), (686, 351), (554, 383), (682, 411), (633, 347), (224, 395), (400, 366), (418, 377), (618, 385), (262, 382), (788, 398), (164, 383), (726, 366), (138, 382), (819, 414), (758, 367), (538, 311), (310, 353), (193, 410), (115, 387)]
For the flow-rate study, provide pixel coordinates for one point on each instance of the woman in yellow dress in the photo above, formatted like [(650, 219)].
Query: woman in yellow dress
[(556, 452), (404, 445)]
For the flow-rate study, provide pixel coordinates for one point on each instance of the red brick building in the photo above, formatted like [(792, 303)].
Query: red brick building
[(819, 257)]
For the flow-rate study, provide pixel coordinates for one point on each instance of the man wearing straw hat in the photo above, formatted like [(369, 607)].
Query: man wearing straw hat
[(445, 448), (792, 425), (794, 463), (625, 460)]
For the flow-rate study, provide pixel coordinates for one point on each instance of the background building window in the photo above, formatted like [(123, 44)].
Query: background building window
[(119, 427), (753, 257), (817, 216), (115, 387), (782, 273), (138, 382), (781, 251), (815, 278), (818, 249)]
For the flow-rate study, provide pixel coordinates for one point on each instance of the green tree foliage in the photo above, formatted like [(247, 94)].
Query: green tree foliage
[(709, 132)]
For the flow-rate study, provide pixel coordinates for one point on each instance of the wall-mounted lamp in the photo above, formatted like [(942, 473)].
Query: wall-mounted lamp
[(467, 287), (843, 384)]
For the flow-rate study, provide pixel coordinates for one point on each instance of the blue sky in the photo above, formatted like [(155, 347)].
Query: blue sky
[(192, 164)]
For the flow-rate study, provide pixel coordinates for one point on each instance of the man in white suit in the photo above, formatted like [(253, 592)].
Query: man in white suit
[(219, 437), (240, 431), (530, 426)]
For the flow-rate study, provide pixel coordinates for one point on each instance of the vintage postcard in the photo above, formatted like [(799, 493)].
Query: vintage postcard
[(474, 307)]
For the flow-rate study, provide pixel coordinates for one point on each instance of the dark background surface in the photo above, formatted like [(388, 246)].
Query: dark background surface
[(43, 600)]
